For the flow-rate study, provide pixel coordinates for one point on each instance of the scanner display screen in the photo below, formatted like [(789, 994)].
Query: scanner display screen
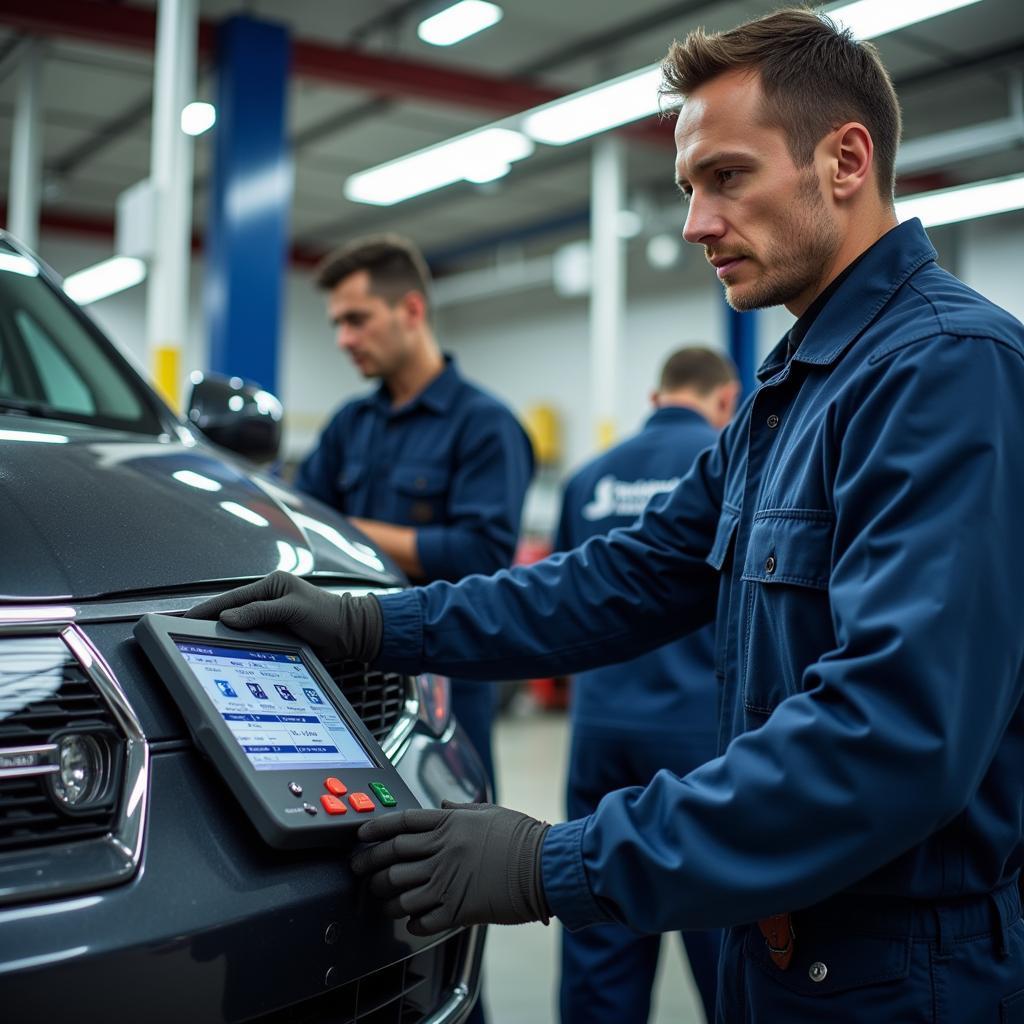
[(274, 708)]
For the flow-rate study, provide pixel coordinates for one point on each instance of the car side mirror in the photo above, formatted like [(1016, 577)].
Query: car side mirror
[(236, 414)]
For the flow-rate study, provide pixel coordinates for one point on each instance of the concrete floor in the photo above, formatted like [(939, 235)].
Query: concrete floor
[(521, 964)]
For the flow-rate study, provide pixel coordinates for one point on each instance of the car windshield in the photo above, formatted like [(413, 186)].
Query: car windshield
[(53, 363)]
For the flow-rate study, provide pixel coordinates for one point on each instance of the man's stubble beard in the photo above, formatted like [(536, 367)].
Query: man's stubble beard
[(395, 357), (798, 257)]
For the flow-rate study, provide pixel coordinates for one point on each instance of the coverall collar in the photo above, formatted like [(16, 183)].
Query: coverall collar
[(437, 396), (880, 271), (673, 414)]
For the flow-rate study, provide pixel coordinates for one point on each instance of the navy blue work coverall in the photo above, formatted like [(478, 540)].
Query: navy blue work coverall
[(454, 463), (858, 526), (632, 719)]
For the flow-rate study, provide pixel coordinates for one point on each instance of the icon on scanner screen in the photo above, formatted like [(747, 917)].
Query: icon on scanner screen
[(257, 691), (225, 688), (284, 692), (312, 696)]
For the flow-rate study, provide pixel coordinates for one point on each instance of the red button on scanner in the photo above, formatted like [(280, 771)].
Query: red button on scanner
[(361, 802), (335, 786), (332, 805)]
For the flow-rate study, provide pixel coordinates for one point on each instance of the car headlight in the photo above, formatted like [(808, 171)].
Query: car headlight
[(435, 702)]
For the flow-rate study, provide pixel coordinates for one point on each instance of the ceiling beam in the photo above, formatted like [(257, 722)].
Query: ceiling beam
[(135, 28), (388, 77), (612, 38), (402, 78), (109, 132), (992, 61)]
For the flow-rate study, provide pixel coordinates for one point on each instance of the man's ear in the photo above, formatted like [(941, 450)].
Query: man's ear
[(656, 399), (414, 308), (851, 157)]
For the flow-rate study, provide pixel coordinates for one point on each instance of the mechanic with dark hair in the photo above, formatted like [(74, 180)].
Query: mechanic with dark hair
[(657, 711), (429, 466), (860, 832)]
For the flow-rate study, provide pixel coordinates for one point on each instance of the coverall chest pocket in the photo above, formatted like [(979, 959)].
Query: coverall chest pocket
[(720, 559), (347, 483), (421, 493), (788, 622)]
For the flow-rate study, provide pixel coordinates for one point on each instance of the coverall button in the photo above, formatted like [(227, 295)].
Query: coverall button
[(817, 971), (773, 421), (769, 564)]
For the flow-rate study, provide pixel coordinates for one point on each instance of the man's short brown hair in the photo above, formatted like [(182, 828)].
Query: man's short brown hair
[(395, 265), (696, 368), (815, 77)]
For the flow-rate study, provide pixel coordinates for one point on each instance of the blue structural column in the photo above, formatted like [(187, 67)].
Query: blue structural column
[(251, 190), (742, 333)]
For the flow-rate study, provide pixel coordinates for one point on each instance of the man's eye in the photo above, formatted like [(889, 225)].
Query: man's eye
[(685, 195), (724, 177)]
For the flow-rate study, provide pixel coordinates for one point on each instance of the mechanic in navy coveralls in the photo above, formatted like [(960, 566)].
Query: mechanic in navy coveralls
[(430, 467), (857, 528), (656, 711)]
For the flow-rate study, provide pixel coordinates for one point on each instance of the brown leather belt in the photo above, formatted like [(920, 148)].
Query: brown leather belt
[(779, 938)]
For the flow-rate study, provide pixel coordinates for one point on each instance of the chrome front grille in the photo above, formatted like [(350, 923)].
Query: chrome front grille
[(379, 698), (44, 692), (54, 685)]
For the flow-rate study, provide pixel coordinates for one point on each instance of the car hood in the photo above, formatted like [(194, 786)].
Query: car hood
[(89, 514)]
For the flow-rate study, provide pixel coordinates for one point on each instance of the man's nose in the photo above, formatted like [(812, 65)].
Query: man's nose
[(703, 223)]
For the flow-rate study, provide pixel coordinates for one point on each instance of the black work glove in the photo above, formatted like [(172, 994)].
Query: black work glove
[(464, 864), (335, 626)]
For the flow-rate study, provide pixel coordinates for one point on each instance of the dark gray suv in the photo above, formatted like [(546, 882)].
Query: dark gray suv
[(132, 886)]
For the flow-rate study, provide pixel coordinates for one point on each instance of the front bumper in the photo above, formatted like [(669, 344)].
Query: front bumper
[(217, 926)]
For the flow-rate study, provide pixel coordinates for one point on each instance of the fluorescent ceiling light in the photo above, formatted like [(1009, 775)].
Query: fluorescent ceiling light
[(479, 156), (197, 118), (868, 19), (458, 22), (15, 264), (486, 154), (103, 279), (635, 95), (966, 202), (597, 109)]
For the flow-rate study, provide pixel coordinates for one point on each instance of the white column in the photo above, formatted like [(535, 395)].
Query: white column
[(171, 173), (26, 151), (607, 284)]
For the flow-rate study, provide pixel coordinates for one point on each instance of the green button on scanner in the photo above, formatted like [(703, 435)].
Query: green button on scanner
[(383, 794)]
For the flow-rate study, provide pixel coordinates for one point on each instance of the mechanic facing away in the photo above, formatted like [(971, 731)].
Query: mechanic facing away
[(855, 535), (656, 711)]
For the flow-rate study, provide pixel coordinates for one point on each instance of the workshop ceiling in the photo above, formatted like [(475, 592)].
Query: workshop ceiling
[(953, 71)]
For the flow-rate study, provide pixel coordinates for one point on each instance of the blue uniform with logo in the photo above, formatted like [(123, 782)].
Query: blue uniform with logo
[(454, 463), (632, 719), (856, 535)]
